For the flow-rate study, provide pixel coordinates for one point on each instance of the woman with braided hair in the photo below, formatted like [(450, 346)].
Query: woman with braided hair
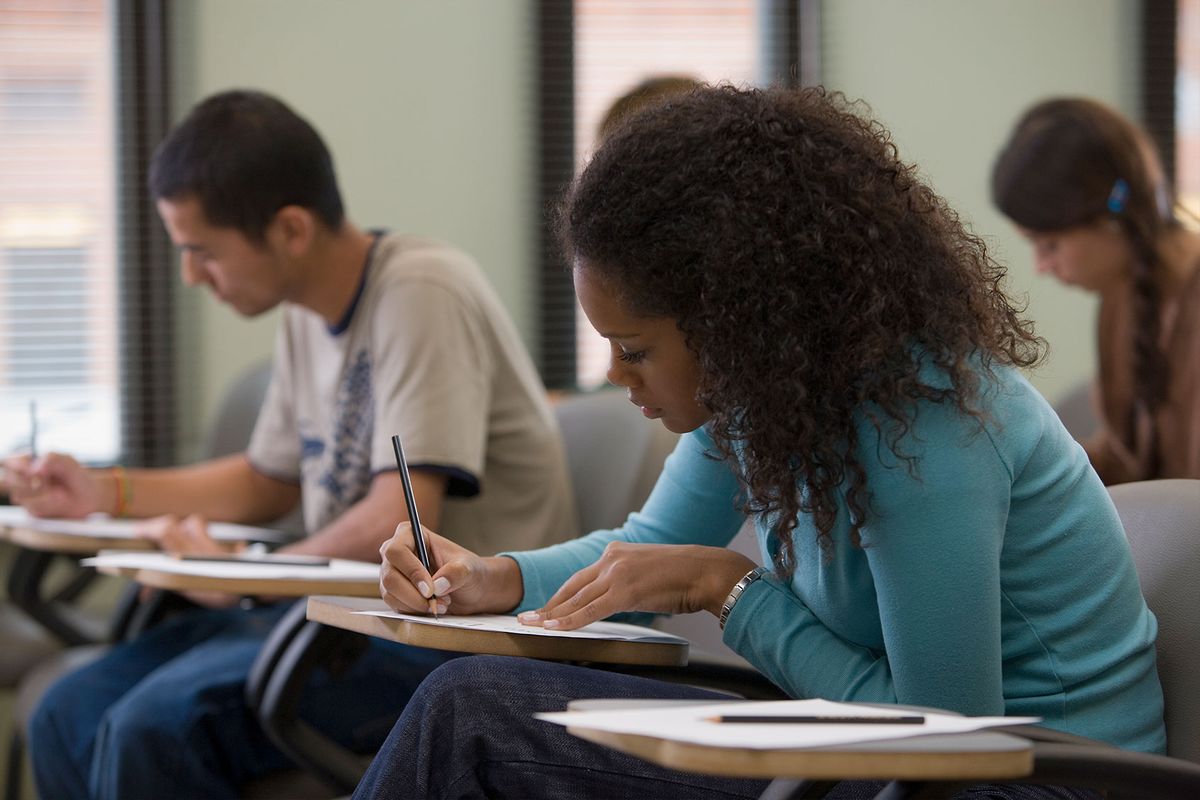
[(841, 362), (1086, 187)]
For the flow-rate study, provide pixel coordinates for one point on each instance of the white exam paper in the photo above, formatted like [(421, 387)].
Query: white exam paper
[(337, 570), (102, 526), (504, 623), (690, 724)]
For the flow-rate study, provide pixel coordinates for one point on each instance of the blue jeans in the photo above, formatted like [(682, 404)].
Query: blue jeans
[(165, 714), (468, 732)]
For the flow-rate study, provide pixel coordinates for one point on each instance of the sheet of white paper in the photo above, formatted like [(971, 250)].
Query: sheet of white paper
[(337, 570), (102, 526), (692, 724), (509, 624), (12, 515)]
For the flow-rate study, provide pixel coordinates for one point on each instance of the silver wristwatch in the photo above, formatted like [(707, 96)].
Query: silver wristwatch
[(736, 592)]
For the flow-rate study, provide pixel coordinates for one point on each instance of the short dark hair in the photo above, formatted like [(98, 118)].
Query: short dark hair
[(655, 89), (244, 155)]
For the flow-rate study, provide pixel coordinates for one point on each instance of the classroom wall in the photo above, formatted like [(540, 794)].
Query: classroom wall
[(949, 78), (424, 104)]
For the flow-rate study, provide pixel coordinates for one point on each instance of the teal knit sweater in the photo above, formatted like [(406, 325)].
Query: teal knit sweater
[(993, 578)]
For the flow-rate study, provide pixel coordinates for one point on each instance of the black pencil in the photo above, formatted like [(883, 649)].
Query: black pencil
[(821, 720), (413, 518)]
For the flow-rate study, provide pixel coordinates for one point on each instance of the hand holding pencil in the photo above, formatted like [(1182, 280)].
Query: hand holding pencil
[(54, 485), (422, 571)]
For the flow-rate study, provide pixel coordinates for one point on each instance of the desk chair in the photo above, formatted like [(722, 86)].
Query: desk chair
[(228, 432), (1077, 412), (1162, 523), (613, 457)]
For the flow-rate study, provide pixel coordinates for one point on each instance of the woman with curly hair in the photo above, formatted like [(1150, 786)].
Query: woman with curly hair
[(780, 288), (1085, 186)]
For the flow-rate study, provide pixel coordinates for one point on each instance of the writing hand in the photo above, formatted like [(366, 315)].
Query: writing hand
[(55, 485), (473, 583), (188, 535), (660, 578)]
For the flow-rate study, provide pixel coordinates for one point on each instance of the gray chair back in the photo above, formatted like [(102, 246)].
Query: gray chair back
[(1162, 522), (613, 454), (230, 427), (1077, 412)]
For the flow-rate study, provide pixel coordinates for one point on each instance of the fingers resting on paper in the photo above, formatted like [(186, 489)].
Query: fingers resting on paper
[(668, 579), (188, 535)]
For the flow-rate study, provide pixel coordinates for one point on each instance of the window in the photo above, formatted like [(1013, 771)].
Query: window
[(592, 52), (58, 328), (1187, 106), (619, 44), (86, 329)]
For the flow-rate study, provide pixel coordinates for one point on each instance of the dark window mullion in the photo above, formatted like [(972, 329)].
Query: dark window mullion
[(1159, 58), (556, 159), (145, 281)]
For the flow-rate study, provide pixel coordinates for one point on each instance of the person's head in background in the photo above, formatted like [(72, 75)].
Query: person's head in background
[(653, 90), (762, 262), (247, 190), (1086, 187)]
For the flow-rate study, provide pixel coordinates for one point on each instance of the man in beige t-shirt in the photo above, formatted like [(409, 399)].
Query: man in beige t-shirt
[(381, 334), (426, 351)]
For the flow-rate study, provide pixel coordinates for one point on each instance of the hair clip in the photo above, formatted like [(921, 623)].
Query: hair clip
[(1118, 196)]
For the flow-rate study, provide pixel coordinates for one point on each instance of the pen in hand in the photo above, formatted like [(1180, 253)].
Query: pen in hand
[(413, 518), (33, 430), (34, 483)]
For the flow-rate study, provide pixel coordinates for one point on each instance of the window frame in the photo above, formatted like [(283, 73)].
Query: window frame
[(145, 288), (792, 58)]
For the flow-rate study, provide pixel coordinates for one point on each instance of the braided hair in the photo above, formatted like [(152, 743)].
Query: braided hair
[(1074, 161)]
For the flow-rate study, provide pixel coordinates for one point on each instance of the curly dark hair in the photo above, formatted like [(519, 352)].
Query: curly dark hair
[(811, 273)]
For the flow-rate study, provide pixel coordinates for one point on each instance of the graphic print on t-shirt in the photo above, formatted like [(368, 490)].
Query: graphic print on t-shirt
[(343, 465)]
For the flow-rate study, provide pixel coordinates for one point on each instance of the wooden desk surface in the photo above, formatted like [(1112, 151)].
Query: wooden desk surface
[(73, 544), (283, 587), (338, 612), (981, 755)]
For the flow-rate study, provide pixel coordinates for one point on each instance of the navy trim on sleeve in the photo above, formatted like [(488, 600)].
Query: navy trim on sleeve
[(291, 480), (461, 484)]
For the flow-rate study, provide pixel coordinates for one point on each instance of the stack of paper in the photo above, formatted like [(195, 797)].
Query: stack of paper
[(252, 570), (696, 725), (502, 623), (102, 526)]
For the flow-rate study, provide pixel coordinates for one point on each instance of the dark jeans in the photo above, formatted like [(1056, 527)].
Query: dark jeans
[(468, 733), (165, 715)]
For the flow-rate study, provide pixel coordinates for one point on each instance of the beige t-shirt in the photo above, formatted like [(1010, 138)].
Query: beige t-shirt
[(426, 351)]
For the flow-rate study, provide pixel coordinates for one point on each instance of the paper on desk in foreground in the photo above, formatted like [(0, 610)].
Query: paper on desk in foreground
[(689, 724), (337, 569), (502, 623), (102, 526)]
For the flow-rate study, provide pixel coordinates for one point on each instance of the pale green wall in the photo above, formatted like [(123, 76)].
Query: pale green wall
[(949, 77), (425, 105)]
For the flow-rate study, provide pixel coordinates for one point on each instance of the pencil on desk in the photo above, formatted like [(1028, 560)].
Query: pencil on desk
[(413, 518), (819, 720)]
